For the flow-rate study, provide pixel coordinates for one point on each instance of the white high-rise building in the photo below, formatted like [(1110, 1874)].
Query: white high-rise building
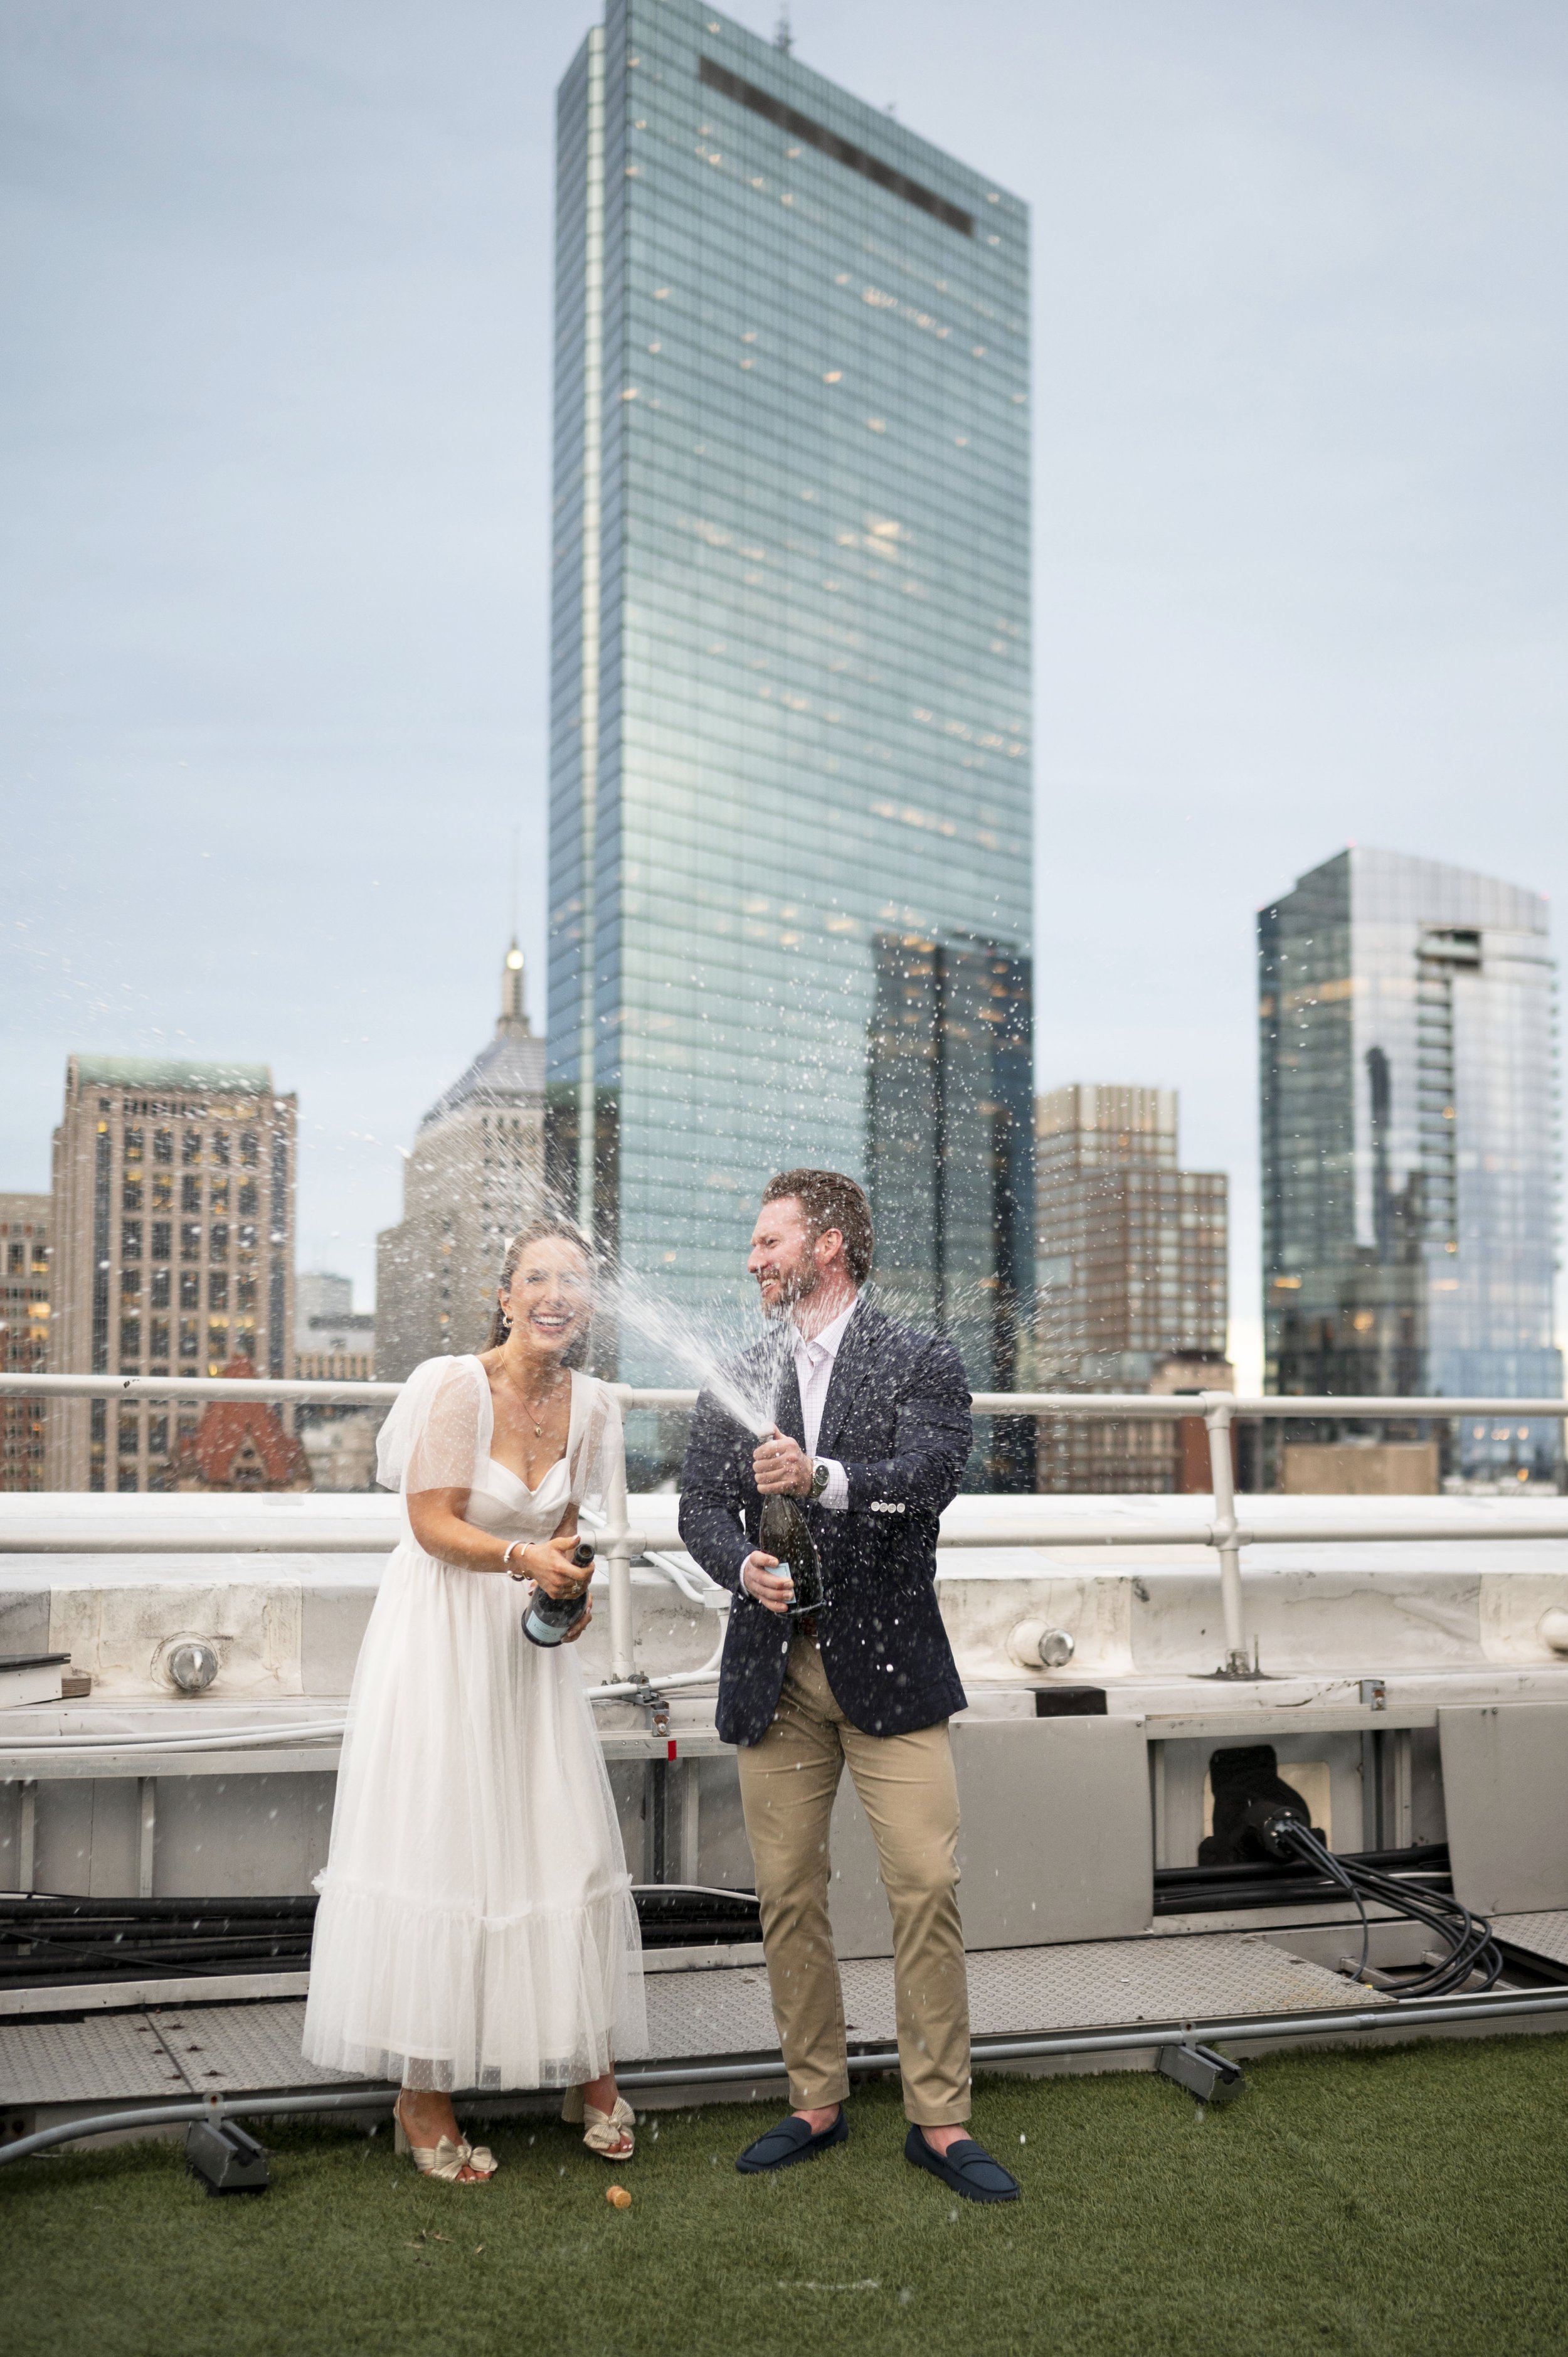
[(475, 1177)]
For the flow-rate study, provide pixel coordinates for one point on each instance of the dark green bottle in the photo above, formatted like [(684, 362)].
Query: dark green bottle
[(784, 1532)]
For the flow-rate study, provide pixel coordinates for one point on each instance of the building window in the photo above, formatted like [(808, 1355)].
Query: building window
[(245, 1289), (218, 1247), (133, 1146), (191, 1194), (130, 1439), (190, 1147), (131, 1195), (190, 1289), (101, 1168), (163, 1145), (158, 1346), (248, 1198), (16, 1258), (221, 1147), (131, 1240), (158, 1435), (246, 1343), (188, 1336), (162, 1191), (130, 1285), (219, 1194), (130, 1344), (248, 1149), (279, 1207), (189, 1243), (127, 1482), (247, 1238), (163, 1238), (217, 1289), (216, 1344), (160, 1289)]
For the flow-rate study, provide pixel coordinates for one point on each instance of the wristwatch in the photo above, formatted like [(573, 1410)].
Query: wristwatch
[(820, 1478)]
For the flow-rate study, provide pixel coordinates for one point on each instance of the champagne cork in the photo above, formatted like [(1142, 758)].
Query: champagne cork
[(619, 2198)]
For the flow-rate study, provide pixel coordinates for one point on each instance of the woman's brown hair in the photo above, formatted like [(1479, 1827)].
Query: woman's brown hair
[(549, 1223)]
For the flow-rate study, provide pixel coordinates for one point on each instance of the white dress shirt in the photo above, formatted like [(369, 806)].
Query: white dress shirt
[(814, 1359)]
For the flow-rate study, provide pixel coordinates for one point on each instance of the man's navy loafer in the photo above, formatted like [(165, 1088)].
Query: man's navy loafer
[(791, 2141), (965, 2168)]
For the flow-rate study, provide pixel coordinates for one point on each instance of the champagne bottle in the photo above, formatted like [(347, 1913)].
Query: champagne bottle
[(784, 1532), (546, 1618)]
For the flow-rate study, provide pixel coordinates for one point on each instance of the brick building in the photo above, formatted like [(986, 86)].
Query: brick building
[(173, 1251)]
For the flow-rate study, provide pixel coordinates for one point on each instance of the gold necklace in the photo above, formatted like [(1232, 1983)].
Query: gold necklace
[(529, 1408)]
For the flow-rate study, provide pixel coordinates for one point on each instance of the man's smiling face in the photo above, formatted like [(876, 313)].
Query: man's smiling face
[(782, 1259)]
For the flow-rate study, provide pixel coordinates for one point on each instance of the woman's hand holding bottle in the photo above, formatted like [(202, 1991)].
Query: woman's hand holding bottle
[(549, 1564)]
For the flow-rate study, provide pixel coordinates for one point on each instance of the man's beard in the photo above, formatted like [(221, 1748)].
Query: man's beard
[(794, 1289)]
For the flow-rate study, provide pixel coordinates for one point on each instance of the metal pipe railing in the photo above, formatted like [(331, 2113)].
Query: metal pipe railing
[(619, 1544), (764, 2070), (1116, 1406)]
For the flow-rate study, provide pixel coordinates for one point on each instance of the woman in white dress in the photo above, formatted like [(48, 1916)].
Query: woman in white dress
[(476, 1927)]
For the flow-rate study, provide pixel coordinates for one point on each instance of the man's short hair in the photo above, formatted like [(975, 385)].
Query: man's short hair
[(829, 1199)]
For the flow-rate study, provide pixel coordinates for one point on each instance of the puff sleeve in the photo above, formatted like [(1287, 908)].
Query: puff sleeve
[(438, 1434)]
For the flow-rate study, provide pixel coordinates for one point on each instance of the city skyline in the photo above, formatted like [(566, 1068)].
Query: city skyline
[(279, 517)]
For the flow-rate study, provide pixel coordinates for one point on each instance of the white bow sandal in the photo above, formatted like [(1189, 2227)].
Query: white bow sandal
[(609, 2134), (444, 2159)]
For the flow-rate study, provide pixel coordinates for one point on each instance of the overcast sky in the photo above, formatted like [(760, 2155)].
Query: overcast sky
[(274, 362)]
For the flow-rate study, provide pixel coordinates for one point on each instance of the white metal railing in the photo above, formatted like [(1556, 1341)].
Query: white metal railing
[(620, 1544)]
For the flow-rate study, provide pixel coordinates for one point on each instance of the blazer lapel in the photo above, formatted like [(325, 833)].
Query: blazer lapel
[(855, 1353)]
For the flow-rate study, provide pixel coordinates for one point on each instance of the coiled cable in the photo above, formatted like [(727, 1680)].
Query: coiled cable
[(1466, 1938)]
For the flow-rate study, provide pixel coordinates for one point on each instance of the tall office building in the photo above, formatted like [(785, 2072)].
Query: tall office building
[(475, 1177), (1409, 1110), (949, 1150), (1132, 1287), (24, 1334), (791, 681), (172, 1231)]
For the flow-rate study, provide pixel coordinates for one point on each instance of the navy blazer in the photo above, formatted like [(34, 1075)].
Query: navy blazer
[(897, 1417)]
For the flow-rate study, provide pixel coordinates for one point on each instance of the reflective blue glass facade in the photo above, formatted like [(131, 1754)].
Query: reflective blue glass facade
[(791, 676), (1409, 1151)]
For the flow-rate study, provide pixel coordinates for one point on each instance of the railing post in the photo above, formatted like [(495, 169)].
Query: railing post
[(615, 1539), (1216, 1415)]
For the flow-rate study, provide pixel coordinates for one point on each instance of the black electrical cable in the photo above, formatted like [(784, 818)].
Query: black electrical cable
[(1466, 1938)]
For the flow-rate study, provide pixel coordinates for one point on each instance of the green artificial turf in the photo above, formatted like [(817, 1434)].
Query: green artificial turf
[(1388, 2201)]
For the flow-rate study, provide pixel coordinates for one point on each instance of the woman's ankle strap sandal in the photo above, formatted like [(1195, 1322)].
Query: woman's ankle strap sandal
[(610, 2133), (444, 2158)]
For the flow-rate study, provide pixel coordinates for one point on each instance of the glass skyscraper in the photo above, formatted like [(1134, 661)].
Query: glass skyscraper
[(792, 677), (1409, 1147)]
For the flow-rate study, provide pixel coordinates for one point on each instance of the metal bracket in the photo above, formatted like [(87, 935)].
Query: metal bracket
[(220, 2152), (1212, 2077)]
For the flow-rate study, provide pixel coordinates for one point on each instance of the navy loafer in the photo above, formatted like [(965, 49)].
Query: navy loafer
[(965, 2168), (791, 2141)]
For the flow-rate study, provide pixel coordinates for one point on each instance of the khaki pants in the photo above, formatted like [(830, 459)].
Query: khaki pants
[(908, 1789)]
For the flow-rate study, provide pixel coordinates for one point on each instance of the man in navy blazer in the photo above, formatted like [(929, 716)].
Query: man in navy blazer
[(872, 1434)]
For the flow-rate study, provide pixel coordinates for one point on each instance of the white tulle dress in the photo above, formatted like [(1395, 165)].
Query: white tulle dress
[(476, 1927)]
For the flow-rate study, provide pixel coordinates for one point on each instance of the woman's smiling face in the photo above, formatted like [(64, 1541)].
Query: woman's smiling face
[(551, 1295)]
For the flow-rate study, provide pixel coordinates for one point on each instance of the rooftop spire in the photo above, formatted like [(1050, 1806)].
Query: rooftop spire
[(783, 38), (513, 1019)]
